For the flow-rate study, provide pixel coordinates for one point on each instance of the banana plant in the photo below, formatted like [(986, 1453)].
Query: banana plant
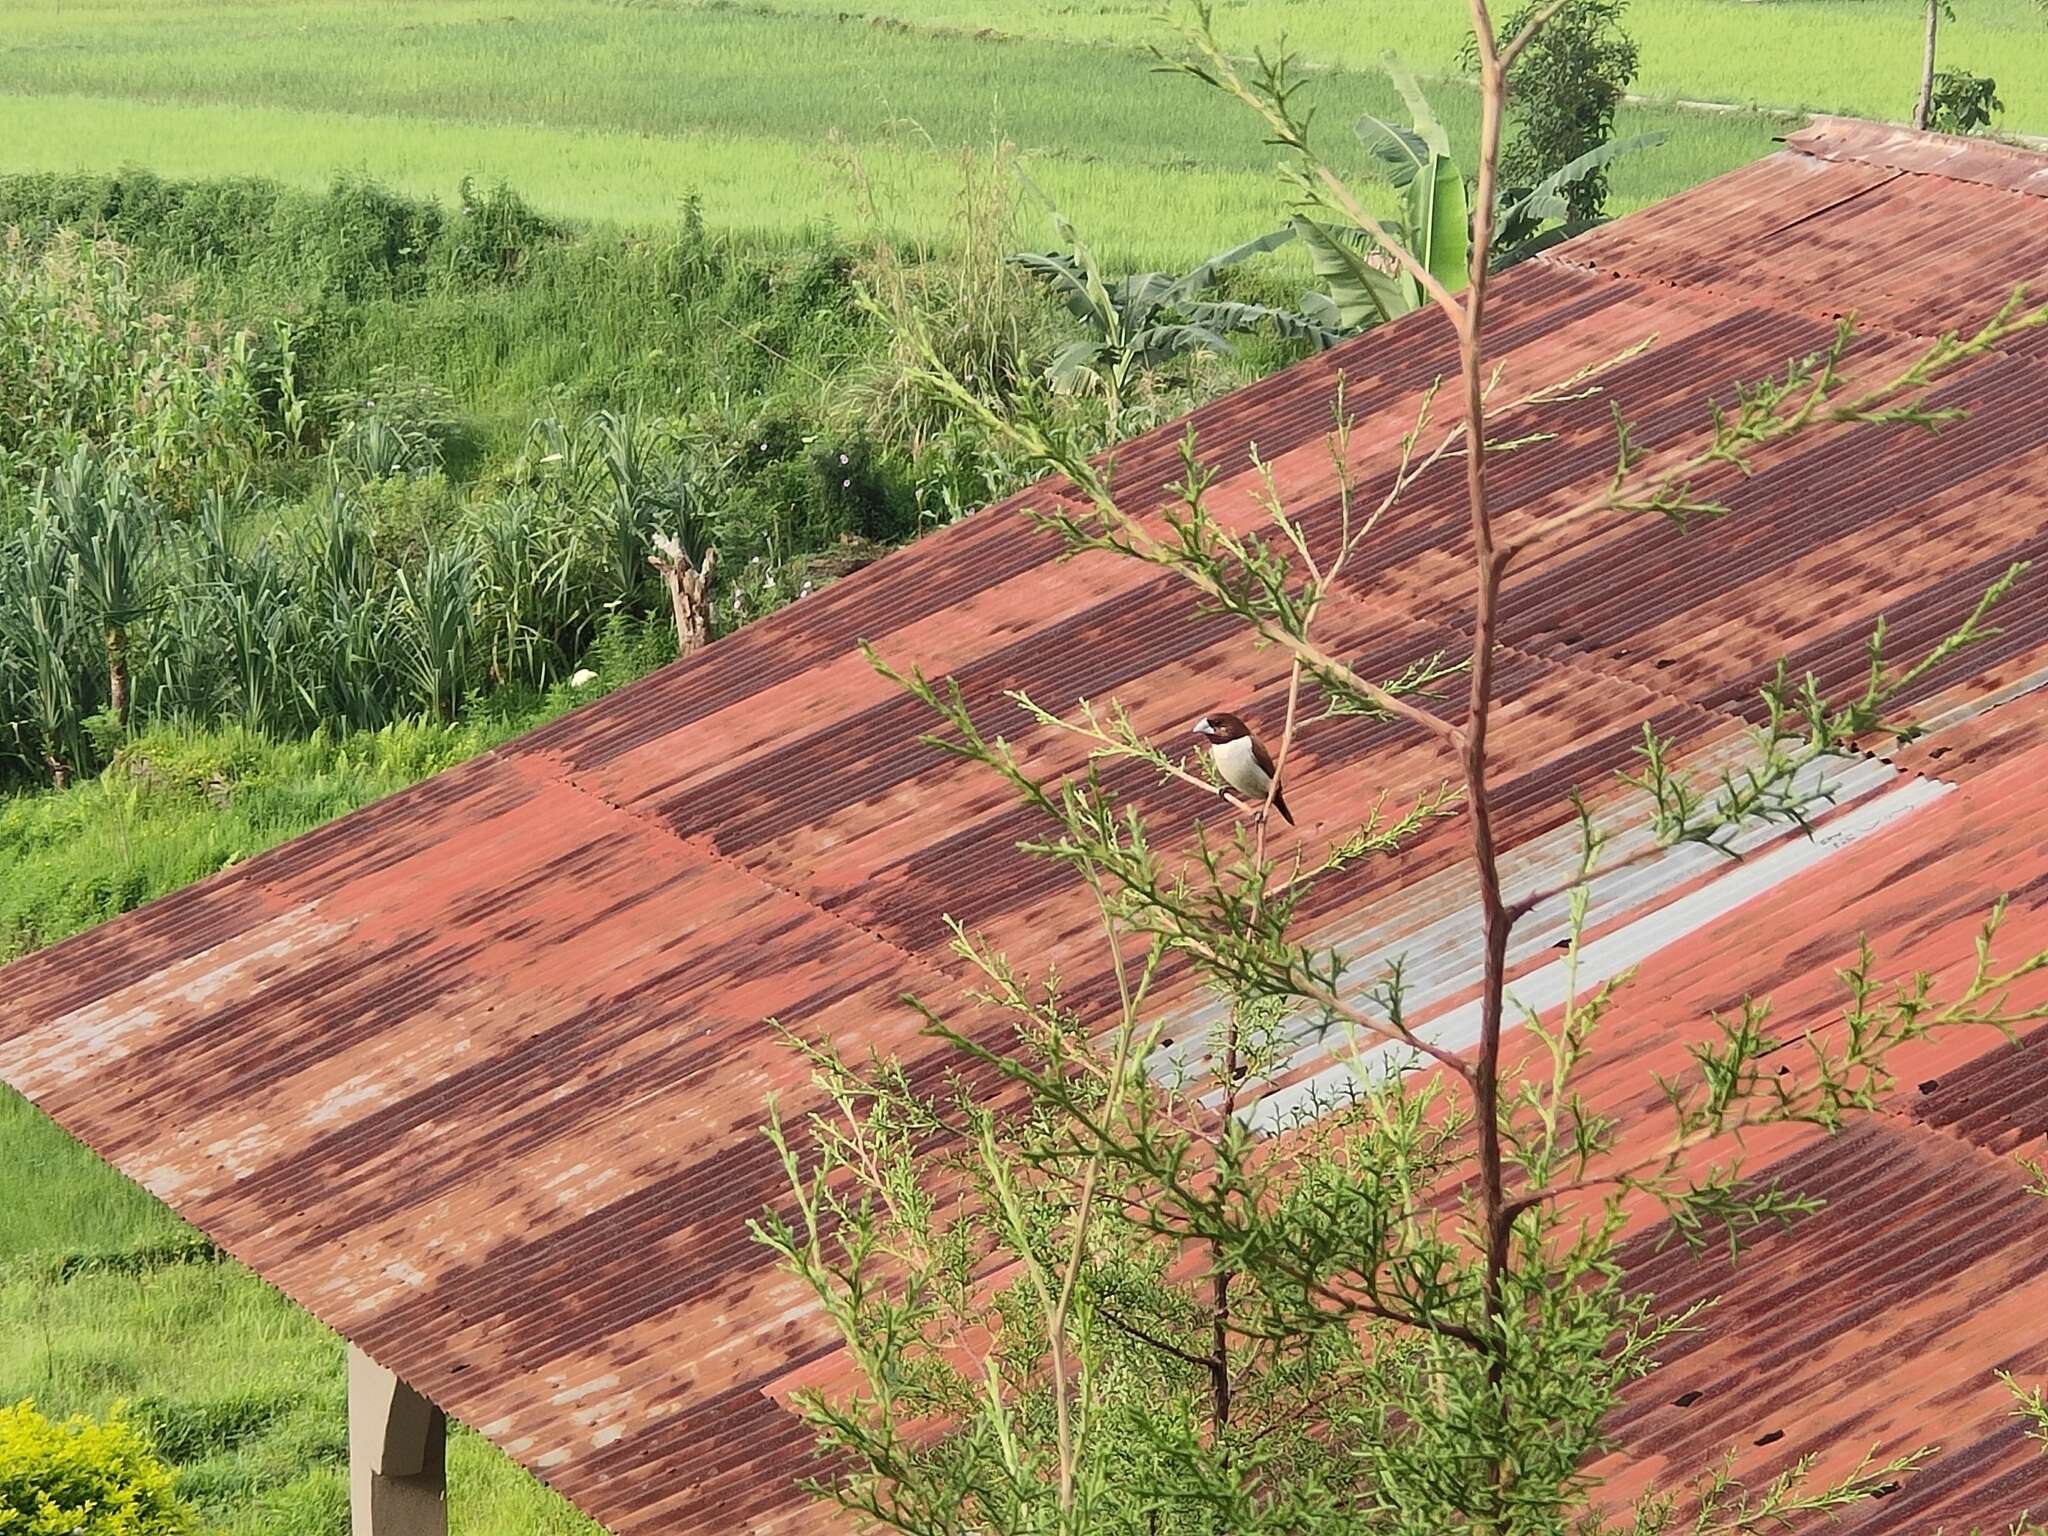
[(1139, 323), (1526, 221), (1364, 284)]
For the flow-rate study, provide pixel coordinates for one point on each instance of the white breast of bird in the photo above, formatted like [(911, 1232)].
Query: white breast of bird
[(1240, 769)]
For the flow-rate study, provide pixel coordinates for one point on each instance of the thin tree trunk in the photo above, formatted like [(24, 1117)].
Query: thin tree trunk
[(1491, 563), (117, 673), (1219, 1345), (1927, 69)]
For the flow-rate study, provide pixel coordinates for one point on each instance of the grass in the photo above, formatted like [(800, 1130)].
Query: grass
[(607, 111)]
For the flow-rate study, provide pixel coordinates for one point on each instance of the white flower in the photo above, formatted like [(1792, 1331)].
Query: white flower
[(842, 458)]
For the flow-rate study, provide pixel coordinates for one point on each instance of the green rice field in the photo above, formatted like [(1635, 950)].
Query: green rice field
[(616, 111), (1858, 57)]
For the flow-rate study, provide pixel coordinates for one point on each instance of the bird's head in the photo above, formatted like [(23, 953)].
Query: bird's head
[(1219, 728)]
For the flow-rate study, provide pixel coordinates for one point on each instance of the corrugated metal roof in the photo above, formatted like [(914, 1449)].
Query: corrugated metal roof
[(476, 1073)]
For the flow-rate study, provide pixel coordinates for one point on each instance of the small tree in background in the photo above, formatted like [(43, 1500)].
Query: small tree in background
[(1951, 100), (1963, 102), (1563, 91), (1097, 1284), (1923, 109)]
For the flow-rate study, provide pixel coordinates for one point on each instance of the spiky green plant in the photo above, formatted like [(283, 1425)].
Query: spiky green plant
[(434, 604), (534, 601), (41, 638), (258, 610), (630, 500), (106, 527)]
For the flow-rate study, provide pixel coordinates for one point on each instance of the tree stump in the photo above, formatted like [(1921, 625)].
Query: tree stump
[(689, 591)]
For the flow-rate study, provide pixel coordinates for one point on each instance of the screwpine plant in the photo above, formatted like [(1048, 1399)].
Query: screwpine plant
[(1082, 1290)]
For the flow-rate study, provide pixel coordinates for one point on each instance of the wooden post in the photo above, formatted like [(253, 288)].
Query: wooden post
[(397, 1455)]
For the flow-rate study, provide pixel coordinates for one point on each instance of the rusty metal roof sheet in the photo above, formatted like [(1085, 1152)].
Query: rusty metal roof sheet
[(476, 1073)]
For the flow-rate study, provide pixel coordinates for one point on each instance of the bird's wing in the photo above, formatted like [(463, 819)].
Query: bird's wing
[(1259, 756)]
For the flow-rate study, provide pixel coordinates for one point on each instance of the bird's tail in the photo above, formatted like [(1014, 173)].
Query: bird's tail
[(1280, 805)]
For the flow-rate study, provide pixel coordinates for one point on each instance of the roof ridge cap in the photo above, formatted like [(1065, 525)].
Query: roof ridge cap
[(1953, 157)]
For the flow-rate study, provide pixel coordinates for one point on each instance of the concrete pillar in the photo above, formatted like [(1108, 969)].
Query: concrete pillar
[(397, 1455)]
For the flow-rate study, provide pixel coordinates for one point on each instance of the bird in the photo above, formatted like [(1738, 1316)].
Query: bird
[(1242, 761)]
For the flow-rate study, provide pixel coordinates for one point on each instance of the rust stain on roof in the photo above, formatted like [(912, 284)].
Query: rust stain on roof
[(476, 1074)]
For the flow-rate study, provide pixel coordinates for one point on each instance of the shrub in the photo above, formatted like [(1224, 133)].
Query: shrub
[(79, 1477), (360, 241), (1963, 102), (491, 237), (858, 496), (1563, 95)]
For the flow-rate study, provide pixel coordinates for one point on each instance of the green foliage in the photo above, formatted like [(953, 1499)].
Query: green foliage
[(1363, 282), (1962, 102), (81, 1478), (1527, 221), (1563, 95), (1138, 324), (47, 654), (389, 585), (86, 358), (2030, 1405), (1418, 164)]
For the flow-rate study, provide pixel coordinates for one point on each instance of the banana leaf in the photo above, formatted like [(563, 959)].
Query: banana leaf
[(1360, 291)]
